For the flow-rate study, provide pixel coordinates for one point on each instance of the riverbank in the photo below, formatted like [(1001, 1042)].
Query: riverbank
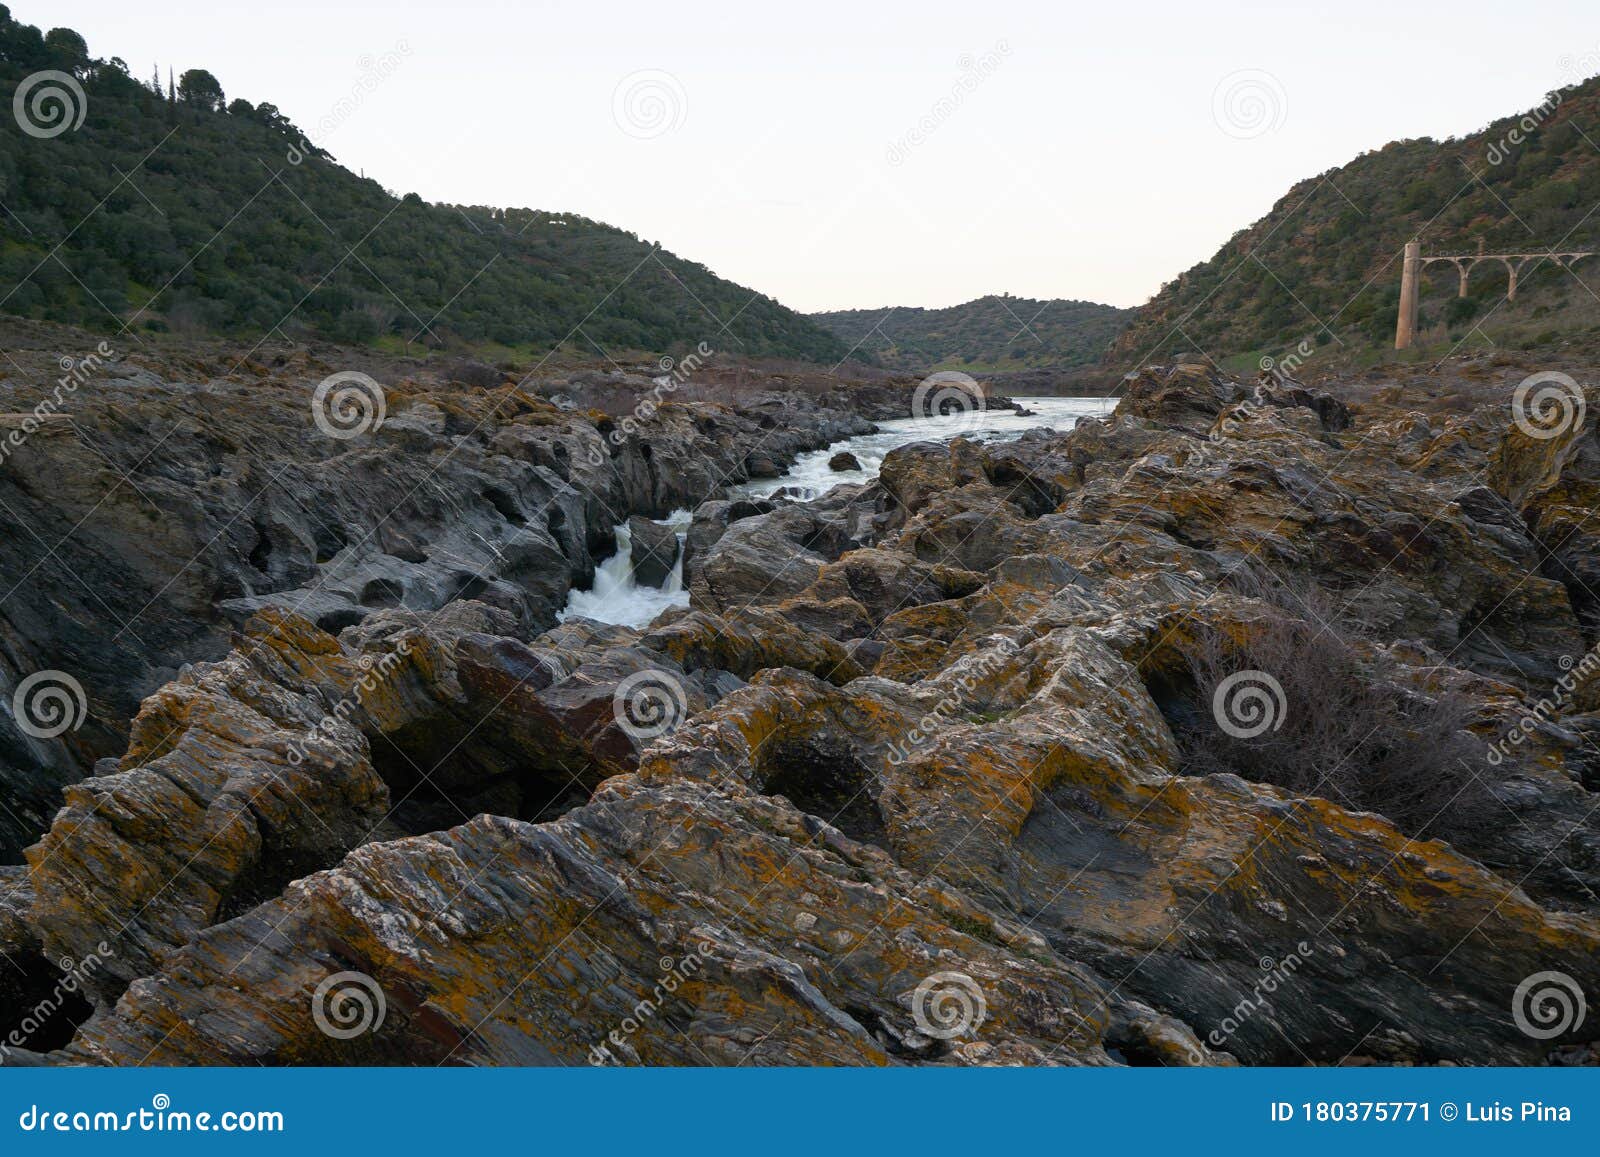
[(1094, 732), (176, 492)]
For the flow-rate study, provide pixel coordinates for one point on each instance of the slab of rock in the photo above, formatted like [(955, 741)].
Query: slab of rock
[(239, 777), (619, 934), (1068, 805), (655, 551)]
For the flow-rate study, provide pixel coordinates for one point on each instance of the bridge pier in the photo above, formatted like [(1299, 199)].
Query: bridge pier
[(1405, 330)]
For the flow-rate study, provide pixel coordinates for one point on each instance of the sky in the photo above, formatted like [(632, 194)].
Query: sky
[(866, 154)]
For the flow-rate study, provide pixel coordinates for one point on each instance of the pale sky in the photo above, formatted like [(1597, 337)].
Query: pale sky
[(1066, 150)]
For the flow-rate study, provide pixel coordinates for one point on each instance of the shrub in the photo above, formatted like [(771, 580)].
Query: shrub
[(1347, 728), (1460, 309)]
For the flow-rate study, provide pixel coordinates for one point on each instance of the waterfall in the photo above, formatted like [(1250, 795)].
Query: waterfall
[(616, 598)]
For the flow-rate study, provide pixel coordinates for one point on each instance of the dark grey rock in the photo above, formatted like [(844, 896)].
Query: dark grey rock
[(655, 551)]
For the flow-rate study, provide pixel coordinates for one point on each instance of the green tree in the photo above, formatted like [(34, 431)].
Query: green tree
[(199, 88), (191, 240), (68, 51)]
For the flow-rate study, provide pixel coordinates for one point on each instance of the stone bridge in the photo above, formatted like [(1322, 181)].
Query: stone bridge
[(1415, 264)]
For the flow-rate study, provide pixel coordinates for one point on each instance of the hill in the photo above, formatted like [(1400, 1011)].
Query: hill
[(180, 210), (1324, 264), (991, 333)]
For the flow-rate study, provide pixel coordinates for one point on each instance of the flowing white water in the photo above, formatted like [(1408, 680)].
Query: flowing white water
[(617, 598), (810, 477)]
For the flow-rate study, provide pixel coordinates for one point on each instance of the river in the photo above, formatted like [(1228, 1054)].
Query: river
[(616, 598)]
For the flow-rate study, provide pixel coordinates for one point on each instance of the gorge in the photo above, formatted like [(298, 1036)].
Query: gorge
[(954, 720), (448, 634)]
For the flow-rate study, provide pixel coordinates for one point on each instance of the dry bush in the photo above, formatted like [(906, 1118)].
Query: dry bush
[(1349, 730)]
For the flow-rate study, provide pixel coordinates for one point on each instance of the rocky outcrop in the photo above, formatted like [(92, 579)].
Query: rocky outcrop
[(247, 773), (173, 498), (757, 553), (237, 779), (1185, 892), (928, 773), (611, 936), (655, 551)]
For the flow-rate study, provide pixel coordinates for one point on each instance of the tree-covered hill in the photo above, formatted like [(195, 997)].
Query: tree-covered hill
[(1324, 264), (990, 333), (167, 207)]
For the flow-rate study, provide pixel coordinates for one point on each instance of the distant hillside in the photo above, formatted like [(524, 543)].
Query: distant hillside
[(991, 333), (1325, 262), (196, 214)]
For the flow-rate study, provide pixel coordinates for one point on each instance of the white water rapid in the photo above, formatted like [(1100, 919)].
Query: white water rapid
[(617, 598)]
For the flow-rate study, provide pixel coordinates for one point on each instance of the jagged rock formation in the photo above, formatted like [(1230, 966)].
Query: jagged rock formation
[(921, 776), (169, 504), (655, 551)]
